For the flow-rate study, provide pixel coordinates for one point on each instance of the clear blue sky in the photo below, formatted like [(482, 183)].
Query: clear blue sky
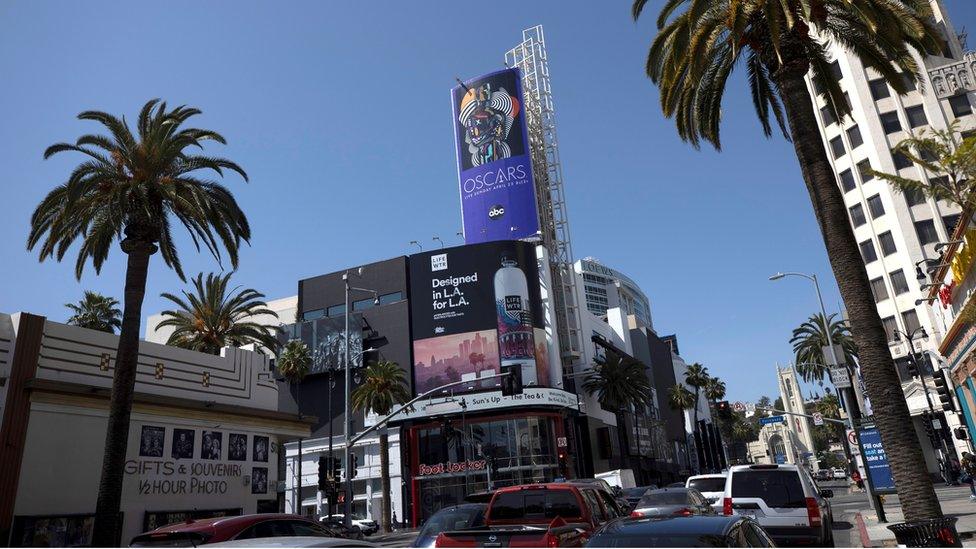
[(339, 112)]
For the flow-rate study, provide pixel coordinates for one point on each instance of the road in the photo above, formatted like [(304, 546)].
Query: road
[(845, 506)]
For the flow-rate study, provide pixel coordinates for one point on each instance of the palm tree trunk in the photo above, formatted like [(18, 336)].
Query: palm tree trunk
[(891, 414), (385, 480), (299, 510), (107, 528)]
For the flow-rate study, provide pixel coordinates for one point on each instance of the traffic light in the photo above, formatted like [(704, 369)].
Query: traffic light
[(911, 365), (371, 343), (512, 382), (927, 423), (563, 464), (353, 465), (960, 433), (944, 390), (723, 409), (336, 467), (323, 473)]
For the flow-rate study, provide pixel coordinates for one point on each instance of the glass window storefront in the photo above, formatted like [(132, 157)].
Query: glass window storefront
[(455, 462)]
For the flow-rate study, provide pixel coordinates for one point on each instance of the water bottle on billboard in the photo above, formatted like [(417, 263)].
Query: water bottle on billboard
[(516, 342)]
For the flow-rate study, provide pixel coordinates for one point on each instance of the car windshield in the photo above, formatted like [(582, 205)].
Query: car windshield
[(716, 484), (778, 488), (651, 540), (664, 497), (634, 493), (535, 504), (452, 519)]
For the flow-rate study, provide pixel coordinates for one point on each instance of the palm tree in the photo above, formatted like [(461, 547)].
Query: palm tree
[(96, 312), (809, 340), (293, 364), (213, 318), (618, 383), (714, 389), (698, 45), (132, 188), (383, 387), (938, 152), (680, 398), (696, 376)]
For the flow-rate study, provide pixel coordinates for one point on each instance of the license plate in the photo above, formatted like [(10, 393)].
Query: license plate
[(748, 512)]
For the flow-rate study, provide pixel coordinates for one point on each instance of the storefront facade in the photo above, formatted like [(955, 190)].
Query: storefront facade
[(205, 435)]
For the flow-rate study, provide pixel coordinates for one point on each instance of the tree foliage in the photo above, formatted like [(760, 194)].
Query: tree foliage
[(619, 383), (294, 361), (809, 340), (383, 387), (680, 398), (96, 312)]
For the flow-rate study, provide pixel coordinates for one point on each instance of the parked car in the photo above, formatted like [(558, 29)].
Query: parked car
[(337, 526), (368, 526), (703, 531), (824, 474), (213, 530), (296, 541), (676, 485), (784, 500), (672, 501), (557, 514), (613, 496), (457, 517), (840, 474), (633, 495), (711, 486)]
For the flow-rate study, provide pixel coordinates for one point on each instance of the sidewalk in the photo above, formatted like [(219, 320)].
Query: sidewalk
[(399, 538), (955, 502)]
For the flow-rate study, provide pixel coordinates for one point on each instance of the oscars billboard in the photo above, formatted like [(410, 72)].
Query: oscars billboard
[(473, 309), (494, 166)]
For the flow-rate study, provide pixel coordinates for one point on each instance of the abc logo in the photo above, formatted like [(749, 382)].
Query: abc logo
[(496, 212)]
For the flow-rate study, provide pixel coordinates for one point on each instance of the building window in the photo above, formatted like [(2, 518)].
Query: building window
[(879, 290), (950, 223), (876, 207), (911, 321), (867, 252), (835, 70), (336, 310), (312, 315), (827, 114), (898, 282), (594, 278), (890, 122), (363, 304), (837, 146), (854, 135), (909, 82), (887, 243), (926, 232), (386, 299), (916, 116), (889, 327), (914, 197), (864, 169), (940, 181), (857, 215), (847, 180), (901, 161), (818, 86), (960, 105), (879, 89)]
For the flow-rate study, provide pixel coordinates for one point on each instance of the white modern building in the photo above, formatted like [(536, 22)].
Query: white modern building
[(285, 308), (605, 288), (899, 234)]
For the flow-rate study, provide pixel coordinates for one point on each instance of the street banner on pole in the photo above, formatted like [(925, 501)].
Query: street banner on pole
[(876, 461)]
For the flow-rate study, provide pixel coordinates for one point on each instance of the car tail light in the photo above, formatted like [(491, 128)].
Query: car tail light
[(551, 540), (813, 512), (686, 512), (726, 506), (636, 514)]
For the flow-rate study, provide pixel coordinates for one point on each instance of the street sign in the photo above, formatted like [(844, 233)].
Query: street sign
[(852, 439), (817, 418), (739, 407), (840, 377), (829, 358), (771, 419), (876, 462)]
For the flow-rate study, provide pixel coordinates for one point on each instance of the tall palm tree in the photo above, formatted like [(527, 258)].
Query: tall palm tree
[(698, 45), (618, 383), (714, 389), (210, 317), (132, 188), (680, 398), (696, 377), (383, 387), (96, 312), (809, 340), (293, 364), (939, 153)]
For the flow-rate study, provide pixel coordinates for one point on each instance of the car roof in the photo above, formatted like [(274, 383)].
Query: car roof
[(707, 525), (709, 475), (673, 489), (764, 466), (209, 524), (540, 486), (463, 507), (293, 541)]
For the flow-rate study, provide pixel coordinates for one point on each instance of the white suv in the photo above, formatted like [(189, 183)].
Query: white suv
[(711, 486), (784, 500)]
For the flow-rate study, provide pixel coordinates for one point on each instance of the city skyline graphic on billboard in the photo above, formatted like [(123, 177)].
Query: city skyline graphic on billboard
[(494, 167), (473, 309)]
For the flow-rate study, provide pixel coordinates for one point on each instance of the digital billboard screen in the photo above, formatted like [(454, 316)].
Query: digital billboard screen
[(325, 338), (473, 309), (494, 166)]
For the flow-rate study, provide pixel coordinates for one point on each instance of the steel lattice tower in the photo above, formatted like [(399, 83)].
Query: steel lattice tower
[(530, 57)]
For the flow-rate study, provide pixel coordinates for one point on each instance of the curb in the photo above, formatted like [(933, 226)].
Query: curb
[(863, 531)]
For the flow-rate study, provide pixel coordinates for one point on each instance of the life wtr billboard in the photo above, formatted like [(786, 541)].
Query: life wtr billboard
[(494, 166), (476, 308)]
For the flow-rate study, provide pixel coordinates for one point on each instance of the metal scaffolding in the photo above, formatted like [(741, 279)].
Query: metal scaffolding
[(530, 57)]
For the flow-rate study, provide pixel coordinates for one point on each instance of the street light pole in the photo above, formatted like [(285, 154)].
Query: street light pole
[(347, 430)]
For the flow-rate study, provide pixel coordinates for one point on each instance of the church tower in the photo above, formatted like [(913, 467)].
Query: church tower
[(800, 427)]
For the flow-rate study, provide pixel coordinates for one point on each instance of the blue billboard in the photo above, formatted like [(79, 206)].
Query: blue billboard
[(494, 166), (876, 461)]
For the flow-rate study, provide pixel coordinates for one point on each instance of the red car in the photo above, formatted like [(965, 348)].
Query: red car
[(212, 530), (537, 515)]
